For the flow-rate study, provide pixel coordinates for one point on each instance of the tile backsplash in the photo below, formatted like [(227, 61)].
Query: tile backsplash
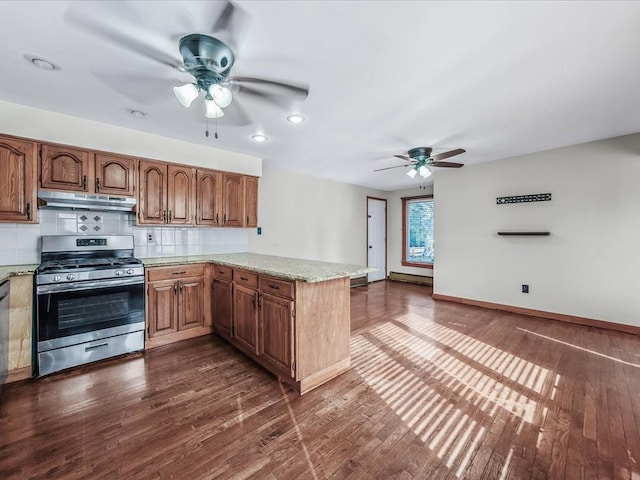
[(19, 243)]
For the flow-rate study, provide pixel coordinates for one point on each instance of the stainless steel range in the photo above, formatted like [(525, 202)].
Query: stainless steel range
[(90, 300)]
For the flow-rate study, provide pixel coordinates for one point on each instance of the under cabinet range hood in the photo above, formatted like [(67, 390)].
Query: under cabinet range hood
[(82, 201)]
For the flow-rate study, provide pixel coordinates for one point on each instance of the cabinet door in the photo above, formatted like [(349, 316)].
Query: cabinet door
[(162, 300), (64, 168), (276, 332), (208, 196), (221, 301), (115, 175), (190, 300), (18, 165), (232, 200), (180, 190), (251, 201), (245, 319), (152, 193)]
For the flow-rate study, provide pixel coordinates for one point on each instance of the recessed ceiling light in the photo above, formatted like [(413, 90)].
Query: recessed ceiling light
[(258, 137), (295, 118), (137, 114), (41, 63)]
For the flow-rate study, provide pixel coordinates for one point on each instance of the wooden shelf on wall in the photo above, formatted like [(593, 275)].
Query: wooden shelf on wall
[(524, 234)]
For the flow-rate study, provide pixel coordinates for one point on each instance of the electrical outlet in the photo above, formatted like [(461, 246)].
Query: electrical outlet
[(149, 237), (525, 288)]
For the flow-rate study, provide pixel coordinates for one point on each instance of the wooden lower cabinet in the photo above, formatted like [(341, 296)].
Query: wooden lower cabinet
[(245, 319), (297, 330), (276, 325), (222, 307), (175, 304)]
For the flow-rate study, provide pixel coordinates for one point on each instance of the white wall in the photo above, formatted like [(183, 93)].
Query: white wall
[(394, 230), (588, 267), (29, 122), (311, 218)]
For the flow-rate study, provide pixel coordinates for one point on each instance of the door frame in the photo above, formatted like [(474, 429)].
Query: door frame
[(369, 197)]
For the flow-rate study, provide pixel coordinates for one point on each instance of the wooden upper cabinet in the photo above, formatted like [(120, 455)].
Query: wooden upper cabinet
[(180, 195), (251, 201), (152, 193), (18, 186), (208, 197), (64, 168), (232, 200), (115, 175)]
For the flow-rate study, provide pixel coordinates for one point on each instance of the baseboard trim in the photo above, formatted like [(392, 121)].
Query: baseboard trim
[(588, 322), (410, 278)]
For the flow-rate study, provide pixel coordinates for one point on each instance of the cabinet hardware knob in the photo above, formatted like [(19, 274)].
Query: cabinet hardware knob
[(84, 182), (260, 301), (216, 219), (169, 216), (244, 278), (28, 211), (179, 273), (181, 285), (98, 184), (247, 219), (224, 219), (175, 288), (164, 216), (275, 287)]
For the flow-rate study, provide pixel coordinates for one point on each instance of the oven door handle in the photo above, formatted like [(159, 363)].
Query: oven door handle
[(72, 287)]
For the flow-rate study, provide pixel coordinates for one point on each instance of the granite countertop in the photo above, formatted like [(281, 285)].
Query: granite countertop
[(291, 268), (7, 271)]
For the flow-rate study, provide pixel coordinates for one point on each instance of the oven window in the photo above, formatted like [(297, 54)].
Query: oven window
[(67, 313), (74, 312)]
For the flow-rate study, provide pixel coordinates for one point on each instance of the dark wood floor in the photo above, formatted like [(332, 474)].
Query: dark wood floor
[(436, 390)]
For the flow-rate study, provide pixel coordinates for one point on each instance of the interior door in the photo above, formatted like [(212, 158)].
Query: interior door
[(377, 238)]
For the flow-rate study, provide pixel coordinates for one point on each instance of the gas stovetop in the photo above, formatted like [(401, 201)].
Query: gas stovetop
[(76, 258)]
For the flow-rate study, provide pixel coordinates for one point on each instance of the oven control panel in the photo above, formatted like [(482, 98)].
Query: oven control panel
[(91, 242)]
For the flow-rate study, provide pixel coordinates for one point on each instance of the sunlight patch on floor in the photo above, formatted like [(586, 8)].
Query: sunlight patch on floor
[(439, 373)]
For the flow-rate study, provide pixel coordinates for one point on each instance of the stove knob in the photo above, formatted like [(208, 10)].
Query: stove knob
[(57, 278), (130, 271), (71, 276), (119, 273)]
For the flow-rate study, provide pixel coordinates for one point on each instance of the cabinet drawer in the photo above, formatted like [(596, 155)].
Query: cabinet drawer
[(176, 272), (221, 272), (277, 286), (245, 278)]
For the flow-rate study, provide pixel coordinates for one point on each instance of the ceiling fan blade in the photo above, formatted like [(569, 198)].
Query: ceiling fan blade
[(389, 168), (145, 90), (404, 157), (231, 20), (277, 100), (113, 26), (446, 164), (272, 87), (451, 153)]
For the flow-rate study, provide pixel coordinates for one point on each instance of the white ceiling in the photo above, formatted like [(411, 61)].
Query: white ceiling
[(498, 79)]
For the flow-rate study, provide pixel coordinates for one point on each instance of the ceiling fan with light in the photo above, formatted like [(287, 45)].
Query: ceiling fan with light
[(206, 57), (420, 159)]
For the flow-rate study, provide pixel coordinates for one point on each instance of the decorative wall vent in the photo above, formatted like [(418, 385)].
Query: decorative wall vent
[(534, 197)]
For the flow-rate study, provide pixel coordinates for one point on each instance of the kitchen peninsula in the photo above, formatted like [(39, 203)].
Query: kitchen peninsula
[(291, 316)]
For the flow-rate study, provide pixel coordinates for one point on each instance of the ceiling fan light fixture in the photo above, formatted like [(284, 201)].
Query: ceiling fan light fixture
[(186, 94), (424, 171), (221, 95), (412, 173), (212, 109)]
